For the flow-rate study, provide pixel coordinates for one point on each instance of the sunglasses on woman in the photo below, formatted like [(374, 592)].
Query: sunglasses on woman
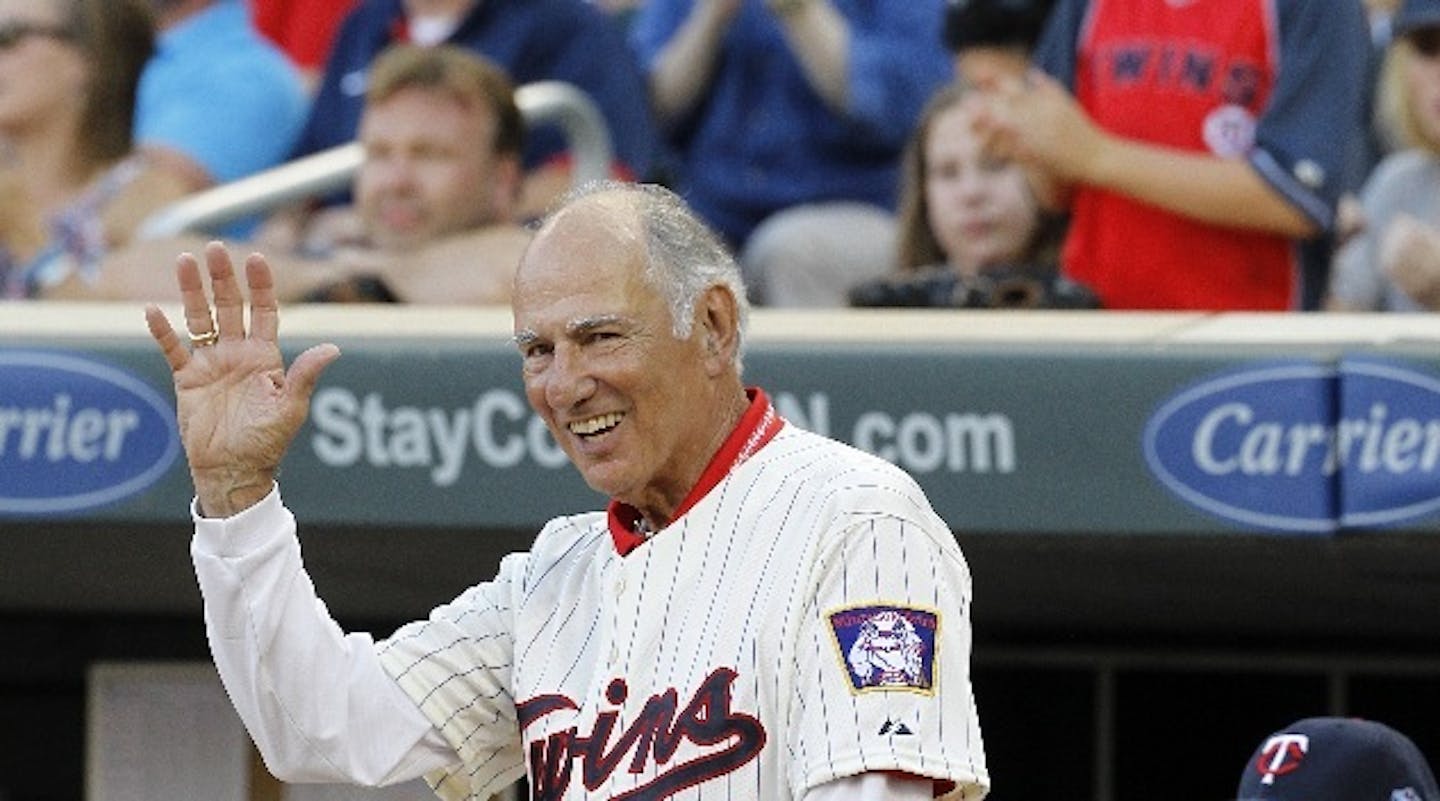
[(1425, 42)]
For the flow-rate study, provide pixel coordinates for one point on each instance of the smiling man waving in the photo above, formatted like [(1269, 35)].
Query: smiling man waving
[(760, 613)]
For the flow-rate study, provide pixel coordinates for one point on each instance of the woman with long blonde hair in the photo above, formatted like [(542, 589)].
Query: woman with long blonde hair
[(1393, 264)]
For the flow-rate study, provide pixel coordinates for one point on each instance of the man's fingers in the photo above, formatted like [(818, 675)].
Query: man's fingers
[(164, 334), (264, 310), (229, 301), (198, 319), (300, 380)]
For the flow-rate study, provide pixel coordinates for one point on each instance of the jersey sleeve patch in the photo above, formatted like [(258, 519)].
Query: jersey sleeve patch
[(886, 647)]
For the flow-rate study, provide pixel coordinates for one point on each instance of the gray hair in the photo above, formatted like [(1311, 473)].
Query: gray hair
[(684, 257)]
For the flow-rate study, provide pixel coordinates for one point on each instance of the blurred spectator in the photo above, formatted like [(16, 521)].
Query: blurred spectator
[(435, 195), (69, 185), (622, 11), (1200, 147), (217, 102), (1337, 759), (532, 40), (1394, 263), (788, 118), (971, 232), (1379, 14), (304, 29), (1367, 146), (993, 38)]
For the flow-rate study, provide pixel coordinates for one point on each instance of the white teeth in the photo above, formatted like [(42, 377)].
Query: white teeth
[(595, 425)]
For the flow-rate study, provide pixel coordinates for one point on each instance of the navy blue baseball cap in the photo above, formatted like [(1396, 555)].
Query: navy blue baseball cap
[(1414, 15), (1337, 759)]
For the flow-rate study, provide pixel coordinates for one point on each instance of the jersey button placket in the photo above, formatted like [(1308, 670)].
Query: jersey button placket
[(619, 587)]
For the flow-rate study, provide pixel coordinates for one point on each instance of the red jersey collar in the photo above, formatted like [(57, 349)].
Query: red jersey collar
[(757, 426)]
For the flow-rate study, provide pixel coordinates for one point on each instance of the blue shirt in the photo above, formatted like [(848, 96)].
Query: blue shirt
[(762, 139), (221, 94), (532, 40)]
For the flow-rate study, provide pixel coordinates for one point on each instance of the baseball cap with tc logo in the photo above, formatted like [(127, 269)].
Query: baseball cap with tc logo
[(1337, 759)]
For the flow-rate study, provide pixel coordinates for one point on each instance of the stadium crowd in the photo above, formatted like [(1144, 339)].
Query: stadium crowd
[(977, 153)]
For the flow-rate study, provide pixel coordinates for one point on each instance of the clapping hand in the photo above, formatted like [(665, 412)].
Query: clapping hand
[(1410, 256), (237, 405)]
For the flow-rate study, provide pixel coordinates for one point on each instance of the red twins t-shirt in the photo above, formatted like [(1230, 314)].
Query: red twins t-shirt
[(1190, 74)]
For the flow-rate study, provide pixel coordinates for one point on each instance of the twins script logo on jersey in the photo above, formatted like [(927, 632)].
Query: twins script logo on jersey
[(887, 647), (727, 740)]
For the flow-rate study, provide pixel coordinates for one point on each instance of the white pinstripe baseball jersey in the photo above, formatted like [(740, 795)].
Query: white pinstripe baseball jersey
[(808, 618)]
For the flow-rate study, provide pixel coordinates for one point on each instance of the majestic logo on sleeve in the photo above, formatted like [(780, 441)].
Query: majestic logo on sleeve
[(726, 741), (886, 647)]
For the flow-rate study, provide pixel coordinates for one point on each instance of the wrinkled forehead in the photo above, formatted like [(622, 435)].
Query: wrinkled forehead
[(583, 264), (589, 239)]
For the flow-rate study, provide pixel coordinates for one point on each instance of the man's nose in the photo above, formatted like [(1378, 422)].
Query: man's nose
[(396, 171), (568, 381)]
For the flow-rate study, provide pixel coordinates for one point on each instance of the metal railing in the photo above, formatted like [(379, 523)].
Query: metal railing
[(541, 103)]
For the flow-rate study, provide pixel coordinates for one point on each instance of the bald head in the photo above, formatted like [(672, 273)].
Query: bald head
[(657, 233)]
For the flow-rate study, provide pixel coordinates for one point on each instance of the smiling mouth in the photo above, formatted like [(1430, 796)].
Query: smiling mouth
[(595, 425)]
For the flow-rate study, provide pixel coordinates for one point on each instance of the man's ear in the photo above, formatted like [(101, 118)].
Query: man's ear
[(718, 317)]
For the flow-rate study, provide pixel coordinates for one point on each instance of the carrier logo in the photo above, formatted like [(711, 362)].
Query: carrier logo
[(1303, 447), (76, 433), (1254, 447)]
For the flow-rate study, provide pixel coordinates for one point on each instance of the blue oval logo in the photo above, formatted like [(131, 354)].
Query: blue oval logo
[(76, 433), (1303, 447), (1388, 441), (1254, 447)]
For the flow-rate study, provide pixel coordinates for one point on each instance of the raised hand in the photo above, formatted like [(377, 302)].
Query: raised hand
[(1035, 120), (1410, 255), (238, 407)]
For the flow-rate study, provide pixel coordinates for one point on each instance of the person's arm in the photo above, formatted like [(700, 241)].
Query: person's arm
[(297, 681), (874, 71), (476, 267), (919, 721), (875, 787), (682, 70), (1038, 122), (154, 187), (187, 173), (820, 39), (138, 272), (316, 702)]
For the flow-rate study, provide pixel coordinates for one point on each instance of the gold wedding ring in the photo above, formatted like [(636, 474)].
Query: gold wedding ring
[(201, 340)]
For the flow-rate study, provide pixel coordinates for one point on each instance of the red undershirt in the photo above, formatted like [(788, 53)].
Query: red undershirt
[(757, 426)]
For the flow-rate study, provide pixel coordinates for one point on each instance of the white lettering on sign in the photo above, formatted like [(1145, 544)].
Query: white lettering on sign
[(501, 432), (922, 442), (497, 429), (1229, 439), (58, 433)]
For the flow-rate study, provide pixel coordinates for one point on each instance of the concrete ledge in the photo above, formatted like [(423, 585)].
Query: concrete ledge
[(87, 320)]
